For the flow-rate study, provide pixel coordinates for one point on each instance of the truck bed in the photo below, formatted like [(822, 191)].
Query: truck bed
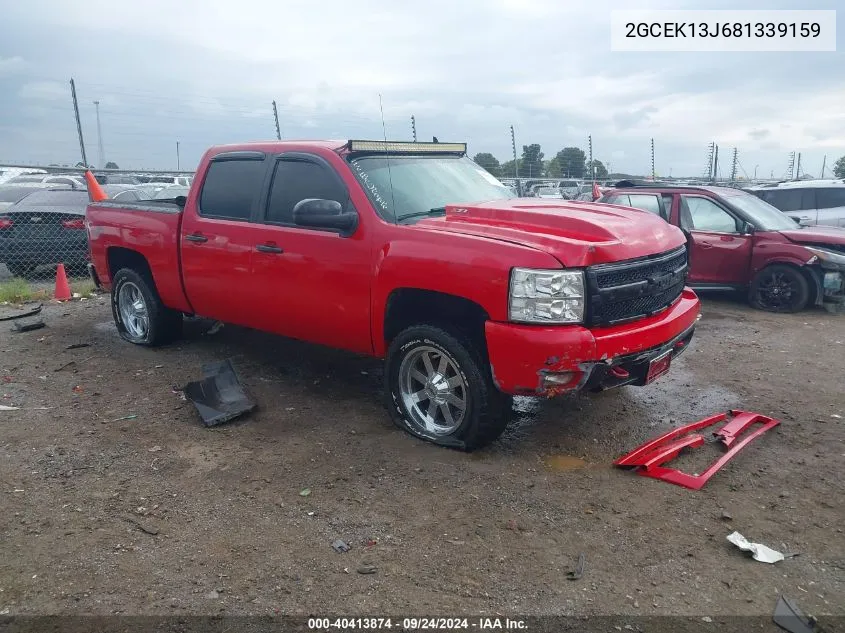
[(151, 228)]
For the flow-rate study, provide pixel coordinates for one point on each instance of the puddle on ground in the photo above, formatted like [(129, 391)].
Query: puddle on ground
[(561, 463)]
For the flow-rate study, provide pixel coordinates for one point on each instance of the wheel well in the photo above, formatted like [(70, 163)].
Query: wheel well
[(804, 271), (125, 258), (409, 306)]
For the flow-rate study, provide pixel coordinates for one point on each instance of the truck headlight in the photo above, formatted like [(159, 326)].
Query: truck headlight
[(546, 296)]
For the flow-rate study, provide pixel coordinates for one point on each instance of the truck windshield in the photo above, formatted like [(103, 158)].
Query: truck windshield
[(761, 214), (417, 186)]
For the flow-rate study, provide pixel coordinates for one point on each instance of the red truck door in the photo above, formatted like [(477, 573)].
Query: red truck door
[(719, 252), (218, 237), (317, 282)]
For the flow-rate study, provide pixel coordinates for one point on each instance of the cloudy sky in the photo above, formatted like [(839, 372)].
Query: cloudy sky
[(203, 73)]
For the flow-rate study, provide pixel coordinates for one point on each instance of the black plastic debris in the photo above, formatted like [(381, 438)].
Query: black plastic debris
[(27, 325), (78, 345), (19, 314), (219, 396), (790, 618)]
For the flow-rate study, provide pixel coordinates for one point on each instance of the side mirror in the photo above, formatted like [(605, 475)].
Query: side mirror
[(324, 214), (749, 229)]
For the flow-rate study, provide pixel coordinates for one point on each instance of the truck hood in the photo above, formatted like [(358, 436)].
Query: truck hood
[(575, 233), (819, 235)]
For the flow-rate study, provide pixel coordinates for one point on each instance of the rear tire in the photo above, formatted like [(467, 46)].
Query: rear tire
[(439, 389), (140, 316), (779, 288)]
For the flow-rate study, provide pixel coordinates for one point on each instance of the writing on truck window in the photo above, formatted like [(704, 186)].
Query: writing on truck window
[(370, 186)]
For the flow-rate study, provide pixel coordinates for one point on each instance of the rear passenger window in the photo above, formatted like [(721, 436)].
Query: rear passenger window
[(296, 180), (784, 199), (231, 188), (830, 198)]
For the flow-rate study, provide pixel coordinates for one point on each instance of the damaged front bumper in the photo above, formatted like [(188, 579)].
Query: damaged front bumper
[(548, 361)]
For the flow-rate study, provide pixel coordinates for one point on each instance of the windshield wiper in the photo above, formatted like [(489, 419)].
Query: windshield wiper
[(421, 214)]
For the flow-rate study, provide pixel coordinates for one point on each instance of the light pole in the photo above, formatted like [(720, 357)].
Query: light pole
[(755, 171), (177, 155), (100, 137)]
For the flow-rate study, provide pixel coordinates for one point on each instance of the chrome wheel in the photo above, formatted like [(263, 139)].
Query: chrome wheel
[(133, 310), (433, 391)]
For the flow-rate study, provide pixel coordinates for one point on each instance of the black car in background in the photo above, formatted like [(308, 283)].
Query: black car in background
[(10, 194), (44, 228)]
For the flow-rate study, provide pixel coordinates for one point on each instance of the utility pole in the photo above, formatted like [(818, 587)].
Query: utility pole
[(592, 167), (78, 123), (276, 117), (755, 171), (102, 156), (653, 173), (515, 162), (733, 167), (177, 156), (716, 164), (824, 162), (414, 128), (798, 168)]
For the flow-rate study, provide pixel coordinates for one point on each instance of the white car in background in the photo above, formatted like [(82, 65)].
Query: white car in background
[(808, 202), (48, 180), (7, 173)]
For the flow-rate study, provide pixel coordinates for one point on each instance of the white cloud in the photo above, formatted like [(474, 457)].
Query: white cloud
[(11, 65), (45, 91), (466, 70)]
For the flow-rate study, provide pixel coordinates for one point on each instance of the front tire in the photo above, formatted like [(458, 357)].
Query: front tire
[(779, 288), (140, 316), (439, 389)]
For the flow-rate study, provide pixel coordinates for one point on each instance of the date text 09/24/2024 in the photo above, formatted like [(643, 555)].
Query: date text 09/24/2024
[(417, 624)]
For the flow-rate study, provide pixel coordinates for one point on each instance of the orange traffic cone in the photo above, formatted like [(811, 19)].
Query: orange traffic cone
[(95, 191), (62, 286)]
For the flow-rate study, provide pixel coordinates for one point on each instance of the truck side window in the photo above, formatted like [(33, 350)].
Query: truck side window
[(231, 188), (701, 214), (296, 180)]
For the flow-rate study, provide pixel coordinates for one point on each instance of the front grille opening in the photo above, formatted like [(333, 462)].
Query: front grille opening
[(624, 291)]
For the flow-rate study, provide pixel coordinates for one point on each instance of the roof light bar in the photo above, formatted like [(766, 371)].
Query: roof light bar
[(393, 147)]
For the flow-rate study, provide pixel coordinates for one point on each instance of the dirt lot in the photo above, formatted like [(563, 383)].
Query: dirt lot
[(107, 513)]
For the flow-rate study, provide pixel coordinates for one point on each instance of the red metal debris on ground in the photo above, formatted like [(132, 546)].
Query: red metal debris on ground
[(650, 457)]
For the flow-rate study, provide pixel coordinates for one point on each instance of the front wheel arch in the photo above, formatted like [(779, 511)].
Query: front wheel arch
[(781, 287)]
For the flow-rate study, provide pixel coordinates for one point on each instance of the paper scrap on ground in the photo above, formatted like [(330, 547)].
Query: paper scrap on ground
[(3, 407), (758, 552)]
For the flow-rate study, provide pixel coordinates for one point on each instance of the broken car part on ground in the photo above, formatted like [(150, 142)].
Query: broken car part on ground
[(649, 458)]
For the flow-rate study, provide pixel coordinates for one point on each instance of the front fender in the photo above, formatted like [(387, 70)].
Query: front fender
[(473, 268)]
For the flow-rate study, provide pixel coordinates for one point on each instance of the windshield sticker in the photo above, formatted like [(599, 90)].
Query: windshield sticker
[(370, 186)]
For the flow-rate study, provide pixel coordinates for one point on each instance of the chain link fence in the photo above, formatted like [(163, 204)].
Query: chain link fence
[(42, 229)]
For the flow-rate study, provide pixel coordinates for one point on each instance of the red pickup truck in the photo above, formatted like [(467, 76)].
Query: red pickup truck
[(384, 249)]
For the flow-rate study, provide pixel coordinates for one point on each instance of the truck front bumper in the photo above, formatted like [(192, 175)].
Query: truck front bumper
[(550, 360)]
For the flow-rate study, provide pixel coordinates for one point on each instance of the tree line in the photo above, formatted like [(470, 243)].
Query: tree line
[(570, 162)]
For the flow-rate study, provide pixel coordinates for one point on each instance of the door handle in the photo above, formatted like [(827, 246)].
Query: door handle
[(196, 237), (706, 245), (268, 248)]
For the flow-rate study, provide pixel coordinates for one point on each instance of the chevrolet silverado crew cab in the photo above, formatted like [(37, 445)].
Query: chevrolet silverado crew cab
[(409, 252), (739, 242)]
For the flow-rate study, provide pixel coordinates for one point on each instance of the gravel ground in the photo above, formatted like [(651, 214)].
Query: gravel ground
[(115, 499)]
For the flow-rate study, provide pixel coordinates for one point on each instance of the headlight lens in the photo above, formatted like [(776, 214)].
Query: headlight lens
[(546, 296), (831, 257)]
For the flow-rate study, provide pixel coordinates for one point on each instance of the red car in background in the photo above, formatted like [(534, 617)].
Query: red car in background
[(738, 242)]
